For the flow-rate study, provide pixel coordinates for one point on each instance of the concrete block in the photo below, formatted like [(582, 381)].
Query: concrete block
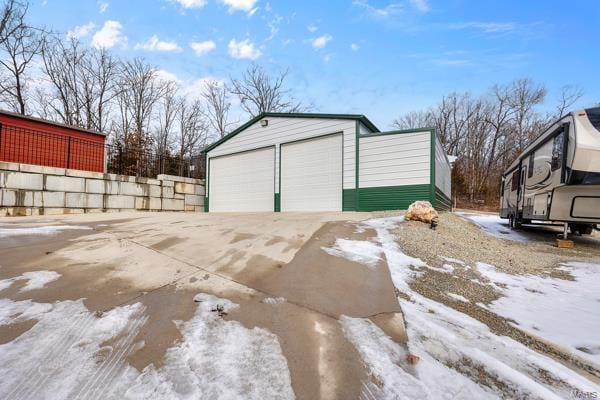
[(19, 180), (22, 198), (65, 184), (199, 190), (8, 198), (75, 200), (173, 205), (1, 180), (199, 208), (155, 203), (94, 201), (167, 183), (148, 181), (133, 189), (84, 174), (9, 166), (175, 178), (40, 169), (179, 196), (168, 192), (101, 186), (193, 200), (189, 207), (142, 203), (154, 191), (61, 211), (184, 188), (119, 201), (18, 211), (53, 199)]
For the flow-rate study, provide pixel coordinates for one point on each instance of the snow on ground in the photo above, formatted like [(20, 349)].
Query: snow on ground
[(460, 357), (495, 226), (72, 353), (359, 251), (457, 297), (40, 230), (35, 280), (218, 359), (566, 312)]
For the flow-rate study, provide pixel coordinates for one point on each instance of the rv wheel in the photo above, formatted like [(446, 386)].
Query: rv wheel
[(511, 221), (581, 229)]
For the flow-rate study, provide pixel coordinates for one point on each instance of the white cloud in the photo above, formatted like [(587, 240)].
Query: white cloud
[(204, 47), (167, 76), (241, 5), (420, 5), (388, 11), (81, 31), (321, 41), (312, 28), (109, 36), (155, 44), (103, 6), (191, 3), (244, 49), (487, 27), (355, 46)]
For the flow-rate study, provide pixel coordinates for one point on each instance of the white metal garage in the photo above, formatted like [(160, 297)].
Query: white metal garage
[(324, 162), (311, 174), (243, 181)]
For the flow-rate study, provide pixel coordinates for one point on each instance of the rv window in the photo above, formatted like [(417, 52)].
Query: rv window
[(515, 181), (530, 166), (557, 151)]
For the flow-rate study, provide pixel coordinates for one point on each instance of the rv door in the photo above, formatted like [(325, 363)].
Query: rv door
[(521, 189)]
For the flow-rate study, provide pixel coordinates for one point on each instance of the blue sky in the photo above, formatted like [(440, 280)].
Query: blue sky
[(378, 58)]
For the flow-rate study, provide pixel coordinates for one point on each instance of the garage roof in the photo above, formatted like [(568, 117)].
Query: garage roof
[(357, 117)]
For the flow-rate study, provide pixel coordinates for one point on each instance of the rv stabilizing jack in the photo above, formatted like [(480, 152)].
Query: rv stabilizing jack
[(565, 230)]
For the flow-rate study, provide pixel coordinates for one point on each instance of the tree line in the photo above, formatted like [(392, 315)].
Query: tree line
[(55, 76), (487, 132)]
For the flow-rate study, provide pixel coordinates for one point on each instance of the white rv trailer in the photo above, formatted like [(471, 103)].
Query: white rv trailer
[(557, 178)]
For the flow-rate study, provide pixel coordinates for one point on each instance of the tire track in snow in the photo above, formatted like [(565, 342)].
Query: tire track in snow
[(29, 384)]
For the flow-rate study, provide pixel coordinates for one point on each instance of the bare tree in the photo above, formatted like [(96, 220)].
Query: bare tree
[(414, 119), (259, 92), (10, 18), (141, 90), (192, 128), (569, 95), (169, 107), (524, 96), (18, 51), (216, 96)]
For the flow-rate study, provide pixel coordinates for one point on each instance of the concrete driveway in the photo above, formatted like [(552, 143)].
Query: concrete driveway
[(173, 305)]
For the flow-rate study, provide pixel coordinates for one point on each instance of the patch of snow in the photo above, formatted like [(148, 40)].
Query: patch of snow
[(35, 280), (457, 297), (563, 311), (360, 251), (273, 300), (495, 226), (445, 268), (72, 353), (453, 260), (40, 230), (386, 360), (218, 359), (62, 355), (459, 355)]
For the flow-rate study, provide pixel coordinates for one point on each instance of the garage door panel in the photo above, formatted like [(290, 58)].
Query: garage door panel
[(311, 175), (242, 182)]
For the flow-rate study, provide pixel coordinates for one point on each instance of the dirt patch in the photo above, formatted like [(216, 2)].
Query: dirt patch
[(242, 236), (168, 242)]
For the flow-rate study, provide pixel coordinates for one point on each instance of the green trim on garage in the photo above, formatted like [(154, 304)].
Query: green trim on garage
[(277, 202), (349, 199), (356, 168), (206, 204), (443, 202), (432, 169), (392, 197)]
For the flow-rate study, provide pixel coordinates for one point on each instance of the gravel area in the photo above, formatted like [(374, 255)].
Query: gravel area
[(454, 248)]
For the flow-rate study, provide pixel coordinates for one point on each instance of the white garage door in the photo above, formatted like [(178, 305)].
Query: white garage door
[(311, 175), (242, 182)]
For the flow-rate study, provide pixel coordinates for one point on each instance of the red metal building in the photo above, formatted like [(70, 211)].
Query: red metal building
[(30, 140)]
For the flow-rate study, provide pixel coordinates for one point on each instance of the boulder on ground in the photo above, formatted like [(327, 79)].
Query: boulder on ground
[(421, 211)]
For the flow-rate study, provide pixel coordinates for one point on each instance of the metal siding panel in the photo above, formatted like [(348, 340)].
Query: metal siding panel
[(394, 160), (311, 175)]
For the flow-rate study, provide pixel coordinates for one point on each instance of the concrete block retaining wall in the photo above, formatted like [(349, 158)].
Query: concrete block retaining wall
[(36, 190)]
